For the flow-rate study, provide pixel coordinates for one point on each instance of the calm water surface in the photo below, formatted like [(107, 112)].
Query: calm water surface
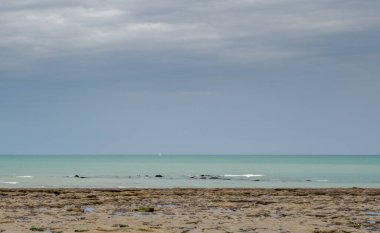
[(139, 171)]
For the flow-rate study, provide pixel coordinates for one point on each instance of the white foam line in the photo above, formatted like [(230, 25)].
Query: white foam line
[(245, 175), (24, 176), (9, 182)]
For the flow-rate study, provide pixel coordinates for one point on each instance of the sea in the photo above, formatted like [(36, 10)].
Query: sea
[(189, 171)]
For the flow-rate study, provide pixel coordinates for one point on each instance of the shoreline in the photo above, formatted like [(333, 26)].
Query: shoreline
[(185, 188), (302, 210), (100, 189)]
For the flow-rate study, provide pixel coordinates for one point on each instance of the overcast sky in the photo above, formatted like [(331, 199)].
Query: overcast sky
[(190, 77)]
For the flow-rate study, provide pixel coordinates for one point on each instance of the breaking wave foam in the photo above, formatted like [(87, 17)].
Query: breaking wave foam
[(9, 182), (244, 175)]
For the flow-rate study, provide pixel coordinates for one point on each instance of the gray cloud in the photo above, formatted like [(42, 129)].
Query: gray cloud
[(246, 30)]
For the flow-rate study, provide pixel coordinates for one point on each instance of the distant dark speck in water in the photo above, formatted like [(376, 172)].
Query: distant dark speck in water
[(159, 176), (308, 180)]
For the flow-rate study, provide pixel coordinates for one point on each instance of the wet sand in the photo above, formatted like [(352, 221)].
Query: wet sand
[(190, 210)]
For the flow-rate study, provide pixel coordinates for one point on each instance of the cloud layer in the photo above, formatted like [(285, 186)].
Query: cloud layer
[(237, 30)]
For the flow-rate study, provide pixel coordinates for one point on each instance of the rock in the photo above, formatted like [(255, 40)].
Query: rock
[(264, 202), (120, 225), (74, 209), (145, 209), (38, 229)]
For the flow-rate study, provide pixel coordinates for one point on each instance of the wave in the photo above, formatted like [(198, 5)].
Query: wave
[(24, 176), (9, 182), (244, 175)]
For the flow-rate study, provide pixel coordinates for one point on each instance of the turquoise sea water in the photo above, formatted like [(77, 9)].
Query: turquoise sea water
[(139, 171)]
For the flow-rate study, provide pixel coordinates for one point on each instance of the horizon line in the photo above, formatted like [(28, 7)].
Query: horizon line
[(182, 154)]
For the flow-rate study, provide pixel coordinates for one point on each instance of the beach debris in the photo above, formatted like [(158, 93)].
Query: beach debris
[(57, 193), (74, 209), (186, 229), (120, 212), (145, 209), (373, 213), (88, 209), (354, 224), (38, 228), (81, 230), (331, 231), (106, 229), (260, 202), (7, 221), (49, 231), (120, 225)]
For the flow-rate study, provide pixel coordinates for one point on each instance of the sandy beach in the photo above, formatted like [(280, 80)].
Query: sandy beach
[(190, 210)]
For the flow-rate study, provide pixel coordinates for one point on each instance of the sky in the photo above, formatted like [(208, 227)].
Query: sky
[(190, 77)]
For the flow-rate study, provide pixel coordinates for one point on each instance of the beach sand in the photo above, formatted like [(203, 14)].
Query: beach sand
[(190, 210)]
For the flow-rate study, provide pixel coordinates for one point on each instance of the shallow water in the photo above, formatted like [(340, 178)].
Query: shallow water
[(139, 171)]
